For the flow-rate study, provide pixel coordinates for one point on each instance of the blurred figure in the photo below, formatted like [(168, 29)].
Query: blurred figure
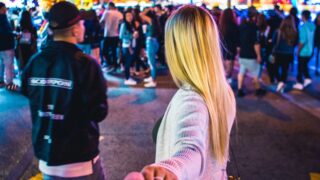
[(96, 35), (250, 53), (67, 95), (284, 40), (92, 37), (27, 42), (128, 36), (216, 13), (140, 44), (193, 138), (161, 16), (265, 39), (305, 50), (275, 19), (294, 15), (229, 31), (111, 20), (152, 45), (6, 51), (317, 41)]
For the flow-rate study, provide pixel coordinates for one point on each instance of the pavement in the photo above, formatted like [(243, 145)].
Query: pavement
[(275, 137)]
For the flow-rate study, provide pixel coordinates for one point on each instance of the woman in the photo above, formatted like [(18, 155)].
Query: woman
[(193, 138), (230, 37), (152, 44), (141, 44), (127, 36), (265, 39), (27, 42), (317, 41), (284, 40), (96, 35)]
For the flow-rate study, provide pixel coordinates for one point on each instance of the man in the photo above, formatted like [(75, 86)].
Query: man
[(111, 20), (6, 51), (67, 94), (305, 50), (250, 57)]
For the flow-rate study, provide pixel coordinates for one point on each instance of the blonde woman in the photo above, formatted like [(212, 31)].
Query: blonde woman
[(193, 138)]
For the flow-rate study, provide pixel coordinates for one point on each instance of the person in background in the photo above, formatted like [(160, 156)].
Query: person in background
[(92, 37), (6, 51), (161, 16), (27, 42), (250, 53), (111, 20), (128, 36), (229, 31), (284, 42), (67, 94), (265, 38), (317, 41), (139, 50), (96, 35), (305, 50), (152, 44), (85, 45), (193, 137), (294, 15), (275, 19)]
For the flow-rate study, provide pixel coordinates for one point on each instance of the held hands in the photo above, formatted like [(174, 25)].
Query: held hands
[(152, 173), (157, 173)]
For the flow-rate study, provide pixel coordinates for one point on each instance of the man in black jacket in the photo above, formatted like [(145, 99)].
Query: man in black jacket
[(67, 93), (6, 50)]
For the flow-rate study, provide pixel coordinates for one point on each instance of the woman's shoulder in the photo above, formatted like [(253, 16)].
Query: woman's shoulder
[(188, 99)]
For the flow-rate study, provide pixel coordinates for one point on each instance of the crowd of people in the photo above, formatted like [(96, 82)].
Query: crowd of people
[(132, 41), (66, 87), (269, 40)]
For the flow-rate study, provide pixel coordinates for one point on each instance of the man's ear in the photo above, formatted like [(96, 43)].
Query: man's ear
[(75, 30)]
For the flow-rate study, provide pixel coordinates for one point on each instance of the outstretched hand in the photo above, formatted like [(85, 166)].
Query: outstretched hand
[(157, 173)]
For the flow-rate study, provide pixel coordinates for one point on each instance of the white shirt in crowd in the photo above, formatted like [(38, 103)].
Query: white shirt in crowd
[(112, 20)]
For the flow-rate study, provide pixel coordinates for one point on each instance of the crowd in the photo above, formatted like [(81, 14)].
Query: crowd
[(270, 40), (66, 88), (132, 41)]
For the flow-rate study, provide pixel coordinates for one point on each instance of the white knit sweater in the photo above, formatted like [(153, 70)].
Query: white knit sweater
[(183, 145)]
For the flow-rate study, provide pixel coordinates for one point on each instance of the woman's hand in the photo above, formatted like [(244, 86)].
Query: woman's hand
[(157, 173), (134, 176)]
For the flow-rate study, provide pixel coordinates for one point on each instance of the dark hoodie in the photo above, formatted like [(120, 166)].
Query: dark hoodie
[(67, 94)]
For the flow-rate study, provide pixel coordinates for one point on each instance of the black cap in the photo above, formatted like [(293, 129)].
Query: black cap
[(63, 15)]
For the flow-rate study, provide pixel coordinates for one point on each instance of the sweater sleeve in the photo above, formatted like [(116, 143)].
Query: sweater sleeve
[(190, 136)]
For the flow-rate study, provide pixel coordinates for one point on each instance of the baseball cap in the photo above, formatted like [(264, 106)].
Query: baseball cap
[(63, 15)]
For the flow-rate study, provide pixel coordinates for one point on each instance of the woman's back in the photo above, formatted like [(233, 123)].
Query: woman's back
[(188, 115)]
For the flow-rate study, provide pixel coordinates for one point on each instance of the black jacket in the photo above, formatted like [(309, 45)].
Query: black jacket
[(67, 94)]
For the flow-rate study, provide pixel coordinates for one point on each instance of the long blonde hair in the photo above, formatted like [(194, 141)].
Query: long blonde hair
[(194, 57)]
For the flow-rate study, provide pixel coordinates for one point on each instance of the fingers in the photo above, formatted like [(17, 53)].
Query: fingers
[(157, 173), (134, 176), (147, 172)]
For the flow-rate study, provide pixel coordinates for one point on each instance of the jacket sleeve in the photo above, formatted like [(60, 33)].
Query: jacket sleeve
[(190, 140), (95, 89), (122, 31)]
